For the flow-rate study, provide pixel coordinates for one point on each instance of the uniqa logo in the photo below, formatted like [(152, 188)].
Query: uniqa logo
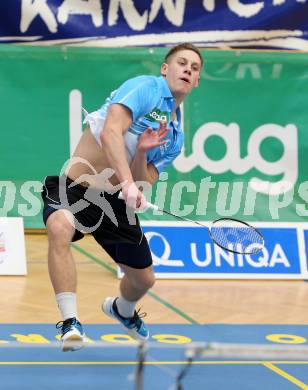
[(286, 165), (207, 254)]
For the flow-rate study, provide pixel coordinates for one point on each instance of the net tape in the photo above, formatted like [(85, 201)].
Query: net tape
[(192, 350)]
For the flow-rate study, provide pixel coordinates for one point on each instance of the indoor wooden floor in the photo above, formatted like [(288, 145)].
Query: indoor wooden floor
[(30, 299)]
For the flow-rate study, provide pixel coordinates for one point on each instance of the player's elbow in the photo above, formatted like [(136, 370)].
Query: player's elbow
[(151, 179), (152, 174)]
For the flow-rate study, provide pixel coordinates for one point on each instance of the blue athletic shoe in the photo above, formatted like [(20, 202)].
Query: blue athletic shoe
[(134, 325), (72, 334)]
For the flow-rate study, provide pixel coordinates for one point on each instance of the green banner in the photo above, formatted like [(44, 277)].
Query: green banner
[(245, 127)]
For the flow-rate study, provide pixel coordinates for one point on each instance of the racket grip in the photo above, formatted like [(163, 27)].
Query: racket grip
[(149, 205), (152, 206)]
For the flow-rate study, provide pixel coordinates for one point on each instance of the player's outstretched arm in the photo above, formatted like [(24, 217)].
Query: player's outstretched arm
[(116, 124)]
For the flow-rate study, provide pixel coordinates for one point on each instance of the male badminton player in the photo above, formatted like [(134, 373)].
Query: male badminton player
[(125, 135)]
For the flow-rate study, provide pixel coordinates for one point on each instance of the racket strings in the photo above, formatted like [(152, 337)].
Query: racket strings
[(236, 236)]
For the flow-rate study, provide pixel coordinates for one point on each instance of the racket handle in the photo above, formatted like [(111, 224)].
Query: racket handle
[(152, 206), (149, 205)]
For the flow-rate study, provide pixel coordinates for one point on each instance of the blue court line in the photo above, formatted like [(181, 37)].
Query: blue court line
[(30, 367), (235, 375)]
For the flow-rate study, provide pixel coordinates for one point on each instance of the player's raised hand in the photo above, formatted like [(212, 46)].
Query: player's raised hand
[(152, 138)]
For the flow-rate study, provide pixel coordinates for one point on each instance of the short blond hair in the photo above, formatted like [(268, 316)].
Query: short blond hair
[(183, 46)]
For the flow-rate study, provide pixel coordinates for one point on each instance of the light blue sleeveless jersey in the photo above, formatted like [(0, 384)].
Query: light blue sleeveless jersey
[(150, 101)]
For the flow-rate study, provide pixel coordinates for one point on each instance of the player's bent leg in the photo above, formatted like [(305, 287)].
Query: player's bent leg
[(135, 284), (61, 264), (62, 271)]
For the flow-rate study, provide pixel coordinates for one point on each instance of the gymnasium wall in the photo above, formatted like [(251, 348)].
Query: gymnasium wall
[(245, 128), (245, 147)]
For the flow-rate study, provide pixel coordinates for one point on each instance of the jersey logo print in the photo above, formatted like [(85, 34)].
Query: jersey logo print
[(157, 115)]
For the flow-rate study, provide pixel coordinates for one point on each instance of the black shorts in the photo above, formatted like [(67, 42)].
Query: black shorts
[(114, 226)]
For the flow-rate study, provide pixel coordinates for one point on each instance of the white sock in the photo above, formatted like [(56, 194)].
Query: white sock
[(67, 304), (125, 308)]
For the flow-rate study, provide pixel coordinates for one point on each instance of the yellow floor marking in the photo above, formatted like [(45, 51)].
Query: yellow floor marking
[(285, 375)]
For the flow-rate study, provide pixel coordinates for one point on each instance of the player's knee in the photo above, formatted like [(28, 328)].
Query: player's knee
[(147, 281), (59, 227)]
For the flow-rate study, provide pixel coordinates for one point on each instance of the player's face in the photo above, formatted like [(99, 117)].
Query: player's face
[(182, 72)]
